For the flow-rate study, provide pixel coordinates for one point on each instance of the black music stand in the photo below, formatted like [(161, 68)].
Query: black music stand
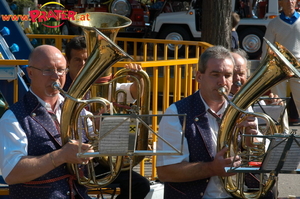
[(282, 156)]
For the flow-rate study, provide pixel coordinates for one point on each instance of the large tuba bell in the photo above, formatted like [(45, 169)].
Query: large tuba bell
[(103, 53), (276, 67), (107, 90)]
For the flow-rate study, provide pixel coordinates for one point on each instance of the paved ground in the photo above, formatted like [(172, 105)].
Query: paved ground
[(289, 183)]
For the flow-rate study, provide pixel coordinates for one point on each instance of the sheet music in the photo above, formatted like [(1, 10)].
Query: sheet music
[(292, 158), (273, 111), (275, 151), (114, 135), (119, 135)]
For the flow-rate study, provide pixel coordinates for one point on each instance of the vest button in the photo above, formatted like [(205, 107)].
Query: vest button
[(196, 119), (68, 193), (201, 194), (33, 114)]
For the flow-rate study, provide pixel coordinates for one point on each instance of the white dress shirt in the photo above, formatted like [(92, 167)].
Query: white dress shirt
[(170, 129), (14, 144), (126, 88)]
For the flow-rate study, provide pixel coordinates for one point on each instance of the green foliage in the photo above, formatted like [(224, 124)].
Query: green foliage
[(39, 28), (25, 3), (21, 4), (35, 27)]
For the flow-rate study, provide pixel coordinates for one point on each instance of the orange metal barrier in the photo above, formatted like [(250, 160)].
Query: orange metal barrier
[(4, 191), (171, 75)]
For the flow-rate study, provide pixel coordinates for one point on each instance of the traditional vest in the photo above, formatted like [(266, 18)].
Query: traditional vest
[(43, 138), (200, 148), (199, 141)]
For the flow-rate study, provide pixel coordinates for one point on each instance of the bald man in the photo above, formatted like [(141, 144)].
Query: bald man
[(33, 159)]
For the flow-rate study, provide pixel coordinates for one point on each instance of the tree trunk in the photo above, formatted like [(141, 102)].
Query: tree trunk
[(216, 22)]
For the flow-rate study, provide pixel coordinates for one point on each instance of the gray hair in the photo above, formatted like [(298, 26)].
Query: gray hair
[(242, 53), (216, 52)]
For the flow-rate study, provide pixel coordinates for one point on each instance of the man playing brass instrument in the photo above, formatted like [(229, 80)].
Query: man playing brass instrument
[(240, 77), (196, 173), (33, 159), (76, 55)]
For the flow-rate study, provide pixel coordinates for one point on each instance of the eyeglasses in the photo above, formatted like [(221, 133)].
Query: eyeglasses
[(48, 72)]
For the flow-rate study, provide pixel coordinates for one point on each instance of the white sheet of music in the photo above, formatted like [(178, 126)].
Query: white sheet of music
[(114, 132), (273, 111), (273, 156)]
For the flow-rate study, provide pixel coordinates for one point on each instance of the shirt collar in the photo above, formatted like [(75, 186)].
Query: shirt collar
[(220, 112), (47, 105), (293, 18)]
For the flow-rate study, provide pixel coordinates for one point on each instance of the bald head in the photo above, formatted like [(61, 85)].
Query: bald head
[(44, 62), (44, 53)]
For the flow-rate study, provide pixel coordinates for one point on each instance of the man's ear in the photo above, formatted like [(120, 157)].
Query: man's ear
[(67, 61), (29, 72), (198, 76)]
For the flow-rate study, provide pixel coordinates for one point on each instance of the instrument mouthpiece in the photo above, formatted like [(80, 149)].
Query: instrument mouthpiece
[(222, 90), (56, 85), (238, 83)]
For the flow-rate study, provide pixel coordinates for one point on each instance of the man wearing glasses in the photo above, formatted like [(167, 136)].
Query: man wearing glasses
[(33, 159), (285, 29)]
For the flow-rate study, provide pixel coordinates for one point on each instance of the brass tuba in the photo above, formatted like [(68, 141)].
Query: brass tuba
[(141, 107), (277, 66), (103, 53), (107, 90)]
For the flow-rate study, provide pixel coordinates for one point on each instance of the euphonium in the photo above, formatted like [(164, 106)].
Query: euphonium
[(141, 106), (277, 66), (107, 90), (103, 53)]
